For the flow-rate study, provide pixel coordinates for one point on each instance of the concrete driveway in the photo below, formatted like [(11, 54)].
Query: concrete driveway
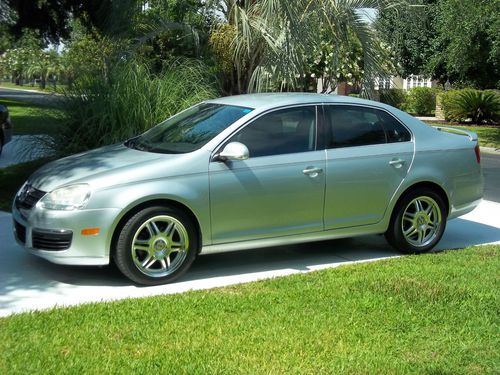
[(29, 283)]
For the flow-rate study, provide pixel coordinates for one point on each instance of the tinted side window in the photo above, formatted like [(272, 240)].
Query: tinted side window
[(280, 132), (393, 129), (353, 126), (359, 126)]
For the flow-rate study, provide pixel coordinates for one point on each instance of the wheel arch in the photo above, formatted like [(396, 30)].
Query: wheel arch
[(438, 189), (150, 203)]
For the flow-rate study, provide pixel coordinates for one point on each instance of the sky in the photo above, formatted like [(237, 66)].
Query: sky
[(369, 13)]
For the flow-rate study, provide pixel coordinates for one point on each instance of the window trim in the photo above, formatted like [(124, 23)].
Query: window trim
[(328, 136), (316, 106)]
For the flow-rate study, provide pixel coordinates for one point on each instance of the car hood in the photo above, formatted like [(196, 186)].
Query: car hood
[(99, 167)]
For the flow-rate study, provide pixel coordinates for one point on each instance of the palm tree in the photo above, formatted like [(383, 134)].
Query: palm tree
[(276, 39), (43, 65)]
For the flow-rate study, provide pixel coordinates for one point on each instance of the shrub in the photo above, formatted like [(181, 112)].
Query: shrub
[(127, 102), (421, 101), (446, 97), (477, 106), (393, 97)]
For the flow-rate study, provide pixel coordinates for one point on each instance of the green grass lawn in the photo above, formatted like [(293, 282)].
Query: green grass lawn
[(29, 118), (489, 136), (429, 314)]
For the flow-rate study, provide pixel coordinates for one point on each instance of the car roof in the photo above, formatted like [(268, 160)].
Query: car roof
[(272, 100)]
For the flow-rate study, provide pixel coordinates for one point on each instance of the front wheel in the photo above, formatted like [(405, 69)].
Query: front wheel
[(156, 246), (418, 222)]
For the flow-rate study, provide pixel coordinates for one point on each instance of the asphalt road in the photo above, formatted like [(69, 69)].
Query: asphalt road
[(29, 96), (490, 162)]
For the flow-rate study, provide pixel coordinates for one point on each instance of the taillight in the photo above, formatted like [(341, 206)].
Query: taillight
[(478, 154)]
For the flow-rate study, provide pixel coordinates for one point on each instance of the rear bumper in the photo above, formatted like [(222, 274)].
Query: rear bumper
[(468, 191), (464, 209)]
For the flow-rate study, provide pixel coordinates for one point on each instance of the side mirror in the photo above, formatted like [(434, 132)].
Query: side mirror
[(234, 151)]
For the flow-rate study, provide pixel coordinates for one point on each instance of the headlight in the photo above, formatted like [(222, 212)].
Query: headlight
[(73, 197)]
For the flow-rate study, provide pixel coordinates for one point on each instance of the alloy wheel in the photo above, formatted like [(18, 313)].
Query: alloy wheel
[(160, 246), (421, 221)]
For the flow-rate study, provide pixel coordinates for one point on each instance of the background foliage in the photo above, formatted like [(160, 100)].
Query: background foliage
[(420, 101), (455, 40), (471, 105)]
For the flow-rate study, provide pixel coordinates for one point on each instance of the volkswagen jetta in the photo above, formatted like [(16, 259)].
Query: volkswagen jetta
[(250, 171)]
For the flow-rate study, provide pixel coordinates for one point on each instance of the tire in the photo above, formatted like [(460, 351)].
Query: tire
[(156, 246), (418, 222)]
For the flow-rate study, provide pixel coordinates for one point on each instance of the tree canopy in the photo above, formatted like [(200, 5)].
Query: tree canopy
[(456, 40)]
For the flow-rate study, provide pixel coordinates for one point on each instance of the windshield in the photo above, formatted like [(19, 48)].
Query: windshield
[(188, 130)]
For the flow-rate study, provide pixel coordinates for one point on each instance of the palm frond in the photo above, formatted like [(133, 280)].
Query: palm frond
[(283, 35)]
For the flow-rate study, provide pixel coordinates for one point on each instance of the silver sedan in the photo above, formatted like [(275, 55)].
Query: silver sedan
[(250, 171)]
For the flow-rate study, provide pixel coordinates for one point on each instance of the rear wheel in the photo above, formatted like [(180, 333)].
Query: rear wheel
[(156, 246), (418, 222)]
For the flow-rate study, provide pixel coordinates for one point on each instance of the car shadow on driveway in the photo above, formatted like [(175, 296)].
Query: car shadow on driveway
[(31, 283)]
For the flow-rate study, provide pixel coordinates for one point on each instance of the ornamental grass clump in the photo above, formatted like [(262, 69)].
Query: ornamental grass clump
[(128, 101)]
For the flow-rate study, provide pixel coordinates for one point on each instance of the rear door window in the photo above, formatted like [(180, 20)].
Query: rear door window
[(350, 126)]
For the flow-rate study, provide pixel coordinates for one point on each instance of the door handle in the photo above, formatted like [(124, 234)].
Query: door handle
[(312, 171), (397, 163)]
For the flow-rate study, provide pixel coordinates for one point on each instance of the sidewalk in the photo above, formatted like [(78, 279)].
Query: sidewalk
[(428, 118), (490, 150)]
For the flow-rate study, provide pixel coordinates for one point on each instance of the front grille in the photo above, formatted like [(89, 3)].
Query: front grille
[(51, 240), (28, 197), (20, 232)]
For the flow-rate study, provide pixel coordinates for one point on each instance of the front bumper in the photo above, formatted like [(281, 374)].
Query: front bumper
[(56, 235)]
